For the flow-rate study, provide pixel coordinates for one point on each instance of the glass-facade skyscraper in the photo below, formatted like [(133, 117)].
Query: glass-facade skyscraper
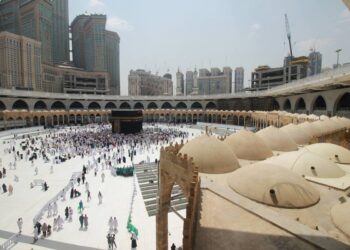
[(315, 63), (9, 16), (60, 31), (36, 23), (47, 21), (112, 56), (95, 48)]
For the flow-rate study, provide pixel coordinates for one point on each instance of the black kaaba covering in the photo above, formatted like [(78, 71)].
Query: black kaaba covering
[(126, 121)]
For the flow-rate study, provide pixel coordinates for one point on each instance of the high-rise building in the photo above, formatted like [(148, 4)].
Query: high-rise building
[(189, 82), (9, 16), (95, 48), (213, 82), (30, 18), (95, 43), (20, 62), (239, 79), (265, 77), (68, 79), (36, 23), (60, 31), (315, 63), (142, 83), (227, 71), (78, 42), (112, 57), (180, 82), (90, 40)]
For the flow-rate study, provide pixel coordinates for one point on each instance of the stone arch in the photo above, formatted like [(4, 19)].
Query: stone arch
[(110, 105), (210, 105), (319, 104), (35, 121), (196, 105), (20, 104), (181, 171), (248, 121), (79, 119), (2, 106), (125, 105), (94, 105), (241, 121), (275, 105), (55, 120), (287, 106), (167, 105), (76, 105), (139, 105), (152, 105), (181, 105), (71, 119), (235, 120), (342, 105), (300, 105), (42, 121), (58, 105), (40, 105)]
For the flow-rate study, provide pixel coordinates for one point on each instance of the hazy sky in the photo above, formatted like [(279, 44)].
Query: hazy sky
[(164, 35)]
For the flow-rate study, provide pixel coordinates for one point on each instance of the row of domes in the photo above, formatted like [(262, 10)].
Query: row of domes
[(278, 180)]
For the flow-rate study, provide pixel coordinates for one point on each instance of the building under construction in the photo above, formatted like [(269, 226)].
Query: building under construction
[(265, 77)]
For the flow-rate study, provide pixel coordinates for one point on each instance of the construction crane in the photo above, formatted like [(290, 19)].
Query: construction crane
[(289, 36)]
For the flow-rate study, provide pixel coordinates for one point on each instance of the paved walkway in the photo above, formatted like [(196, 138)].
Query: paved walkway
[(44, 242)]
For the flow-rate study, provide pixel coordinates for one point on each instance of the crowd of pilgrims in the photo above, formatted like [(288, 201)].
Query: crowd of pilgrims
[(107, 151)]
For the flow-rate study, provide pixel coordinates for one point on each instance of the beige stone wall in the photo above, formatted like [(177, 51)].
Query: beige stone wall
[(340, 137), (178, 169)]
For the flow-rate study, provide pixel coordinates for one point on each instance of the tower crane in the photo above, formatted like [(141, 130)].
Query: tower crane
[(289, 36)]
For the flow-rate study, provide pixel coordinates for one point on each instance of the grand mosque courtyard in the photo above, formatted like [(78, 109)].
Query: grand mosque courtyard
[(258, 190), (117, 191)]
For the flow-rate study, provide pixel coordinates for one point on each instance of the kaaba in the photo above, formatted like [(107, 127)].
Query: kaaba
[(126, 121)]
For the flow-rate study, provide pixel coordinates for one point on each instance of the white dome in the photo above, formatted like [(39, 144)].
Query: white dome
[(247, 145), (330, 151), (306, 163), (296, 133), (276, 139), (273, 185), (340, 217), (211, 155)]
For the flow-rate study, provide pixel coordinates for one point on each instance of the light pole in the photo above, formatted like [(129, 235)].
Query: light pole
[(338, 51)]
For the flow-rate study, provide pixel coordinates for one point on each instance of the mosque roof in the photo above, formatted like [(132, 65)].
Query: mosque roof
[(310, 128), (340, 217), (306, 163), (344, 121), (273, 185), (332, 152), (298, 135), (211, 155), (247, 145), (276, 139)]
